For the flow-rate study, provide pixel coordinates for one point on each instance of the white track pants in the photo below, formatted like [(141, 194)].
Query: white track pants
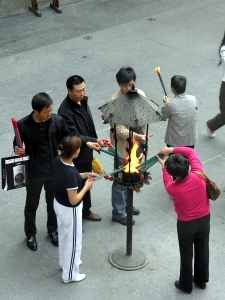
[(69, 221)]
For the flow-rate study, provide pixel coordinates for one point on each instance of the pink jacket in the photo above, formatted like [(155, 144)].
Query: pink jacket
[(190, 197)]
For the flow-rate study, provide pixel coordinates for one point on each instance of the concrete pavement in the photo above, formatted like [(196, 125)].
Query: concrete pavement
[(94, 38)]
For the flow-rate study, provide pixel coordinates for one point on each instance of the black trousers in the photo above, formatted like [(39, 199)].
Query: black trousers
[(219, 120), (192, 146), (193, 234), (86, 167), (32, 201)]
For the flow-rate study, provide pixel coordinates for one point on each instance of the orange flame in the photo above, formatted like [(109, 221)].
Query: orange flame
[(135, 161), (157, 69)]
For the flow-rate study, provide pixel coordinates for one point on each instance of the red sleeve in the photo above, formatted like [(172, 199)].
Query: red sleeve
[(192, 156), (167, 179)]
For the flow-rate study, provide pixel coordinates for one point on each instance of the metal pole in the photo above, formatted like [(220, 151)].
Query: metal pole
[(116, 160), (129, 205), (129, 219), (146, 143)]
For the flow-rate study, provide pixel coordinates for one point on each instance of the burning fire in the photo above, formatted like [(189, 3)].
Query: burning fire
[(157, 69), (135, 161)]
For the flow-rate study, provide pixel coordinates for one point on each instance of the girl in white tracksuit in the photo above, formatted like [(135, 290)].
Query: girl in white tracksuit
[(68, 207)]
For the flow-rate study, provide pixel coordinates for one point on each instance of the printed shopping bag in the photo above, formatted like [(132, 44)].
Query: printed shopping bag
[(15, 172)]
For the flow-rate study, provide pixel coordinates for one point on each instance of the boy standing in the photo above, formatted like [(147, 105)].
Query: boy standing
[(126, 79)]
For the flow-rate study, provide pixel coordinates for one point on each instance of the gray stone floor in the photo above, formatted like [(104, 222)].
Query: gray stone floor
[(39, 54)]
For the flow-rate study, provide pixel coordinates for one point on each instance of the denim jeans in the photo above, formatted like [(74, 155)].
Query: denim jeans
[(119, 200), (119, 196)]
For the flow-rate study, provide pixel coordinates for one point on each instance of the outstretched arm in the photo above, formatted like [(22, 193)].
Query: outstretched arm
[(74, 131), (192, 156)]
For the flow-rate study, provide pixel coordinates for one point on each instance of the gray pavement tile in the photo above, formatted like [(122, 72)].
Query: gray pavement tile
[(39, 54)]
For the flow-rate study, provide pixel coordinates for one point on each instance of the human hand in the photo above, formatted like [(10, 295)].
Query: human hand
[(19, 151), (107, 143), (103, 142), (166, 151), (161, 160), (166, 99), (93, 146), (89, 183), (140, 137), (92, 175)]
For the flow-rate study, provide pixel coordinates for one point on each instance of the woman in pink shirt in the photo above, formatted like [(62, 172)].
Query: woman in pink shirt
[(192, 206)]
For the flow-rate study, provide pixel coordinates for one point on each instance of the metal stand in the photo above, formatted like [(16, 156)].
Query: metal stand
[(129, 261), (34, 7), (55, 5), (130, 192)]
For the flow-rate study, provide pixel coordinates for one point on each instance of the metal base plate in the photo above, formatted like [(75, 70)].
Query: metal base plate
[(120, 260)]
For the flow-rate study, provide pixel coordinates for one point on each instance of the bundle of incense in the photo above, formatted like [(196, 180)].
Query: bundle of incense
[(149, 163), (107, 152), (112, 153), (109, 144), (108, 174), (118, 153), (157, 69), (17, 135)]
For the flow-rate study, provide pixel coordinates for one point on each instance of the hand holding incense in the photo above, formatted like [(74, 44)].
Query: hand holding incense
[(17, 135)]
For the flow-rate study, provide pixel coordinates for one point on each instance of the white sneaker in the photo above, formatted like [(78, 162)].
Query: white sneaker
[(79, 278), (210, 132)]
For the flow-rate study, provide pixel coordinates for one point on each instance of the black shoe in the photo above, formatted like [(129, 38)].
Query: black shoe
[(54, 237), (122, 221), (200, 284), (135, 211), (31, 243), (177, 285)]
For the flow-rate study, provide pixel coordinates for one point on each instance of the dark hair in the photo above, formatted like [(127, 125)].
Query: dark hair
[(178, 83), (125, 75), (177, 165), (74, 80), (68, 146), (221, 45), (40, 101)]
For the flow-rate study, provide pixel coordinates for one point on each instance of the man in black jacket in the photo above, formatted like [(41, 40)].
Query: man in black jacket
[(76, 112), (41, 132)]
